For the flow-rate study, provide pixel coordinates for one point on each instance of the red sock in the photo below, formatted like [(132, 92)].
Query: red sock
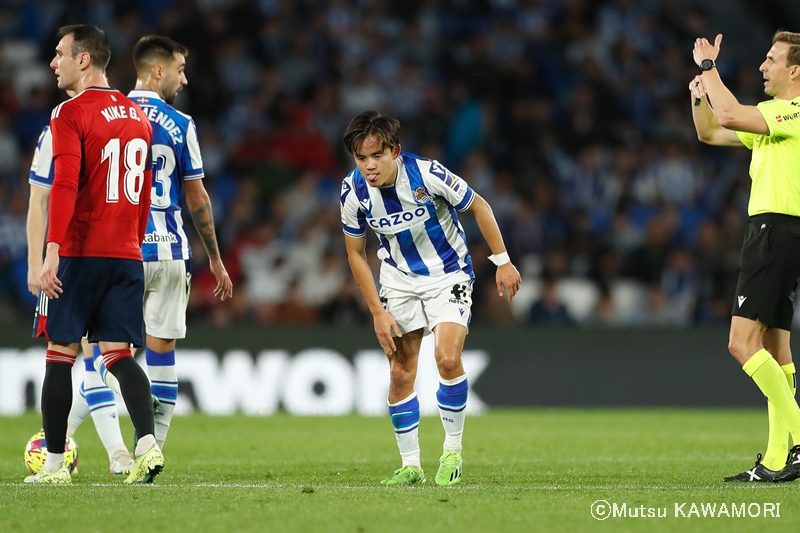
[(60, 357), (111, 357)]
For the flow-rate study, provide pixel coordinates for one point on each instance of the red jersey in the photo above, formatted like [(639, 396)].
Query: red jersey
[(100, 198)]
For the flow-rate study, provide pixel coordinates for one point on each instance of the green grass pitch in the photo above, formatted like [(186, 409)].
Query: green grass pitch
[(524, 470)]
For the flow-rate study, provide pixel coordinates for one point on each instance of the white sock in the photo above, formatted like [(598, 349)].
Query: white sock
[(408, 444), (104, 413), (107, 377), (144, 444), (405, 420), (78, 412), (452, 400), (53, 462), (164, 384)]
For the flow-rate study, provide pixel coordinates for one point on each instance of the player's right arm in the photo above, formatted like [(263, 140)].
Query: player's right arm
[(40, 180), (708, 128), (384, 322), (199, 205), (36, 224), (67, 132)]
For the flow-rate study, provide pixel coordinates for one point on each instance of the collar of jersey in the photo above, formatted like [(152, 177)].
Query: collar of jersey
[(146, 93)]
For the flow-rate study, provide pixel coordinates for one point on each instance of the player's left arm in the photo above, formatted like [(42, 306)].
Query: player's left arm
[(199, 204), (730, 113), (507, 275)]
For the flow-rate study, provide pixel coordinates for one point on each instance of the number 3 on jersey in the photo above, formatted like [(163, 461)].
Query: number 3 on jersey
[(163, 166), (135, 164)]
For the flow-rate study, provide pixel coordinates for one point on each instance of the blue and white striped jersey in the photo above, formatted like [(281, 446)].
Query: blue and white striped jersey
[(176, 157), (41, 173), (415, 218)]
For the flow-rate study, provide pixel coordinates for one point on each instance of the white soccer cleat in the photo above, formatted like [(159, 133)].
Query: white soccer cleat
[(122, 463)]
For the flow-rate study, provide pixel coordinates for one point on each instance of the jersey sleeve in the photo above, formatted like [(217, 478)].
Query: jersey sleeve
[(448, 186), (354, 220), (65, 128), (67, 156), (747, 138), (192, 161), (41, 173), (782, 116)]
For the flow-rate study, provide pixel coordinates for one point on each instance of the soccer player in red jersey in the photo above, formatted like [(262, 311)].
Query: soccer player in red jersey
[(99, 205)]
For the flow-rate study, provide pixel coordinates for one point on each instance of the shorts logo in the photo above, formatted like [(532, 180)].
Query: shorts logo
[(460, 295), (741, 300)]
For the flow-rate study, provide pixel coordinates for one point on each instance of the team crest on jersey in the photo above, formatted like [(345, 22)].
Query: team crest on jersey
[(421, 196)]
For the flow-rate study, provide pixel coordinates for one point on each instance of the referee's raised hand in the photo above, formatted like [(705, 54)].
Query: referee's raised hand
[(705, 50)]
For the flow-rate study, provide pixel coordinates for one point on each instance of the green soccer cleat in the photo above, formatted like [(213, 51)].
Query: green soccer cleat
[(59, 477), (449, 468), (146, 467), (406, 475)]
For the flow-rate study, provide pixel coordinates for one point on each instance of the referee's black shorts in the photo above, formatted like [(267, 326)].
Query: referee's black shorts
[(770, 270), (102, 300)]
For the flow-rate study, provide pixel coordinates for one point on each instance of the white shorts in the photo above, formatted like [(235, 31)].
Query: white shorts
[(423, 302), (166, 295)]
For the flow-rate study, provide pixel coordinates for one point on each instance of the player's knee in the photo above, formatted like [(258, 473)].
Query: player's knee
[(400, 375), (448, 363), (740, 349)]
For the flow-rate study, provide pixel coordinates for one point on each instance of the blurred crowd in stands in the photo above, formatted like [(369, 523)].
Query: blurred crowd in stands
[(571, 117)]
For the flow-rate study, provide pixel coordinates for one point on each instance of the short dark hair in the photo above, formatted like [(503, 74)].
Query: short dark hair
[(793, 40), (90, 39), (153, 48), (384, 127)]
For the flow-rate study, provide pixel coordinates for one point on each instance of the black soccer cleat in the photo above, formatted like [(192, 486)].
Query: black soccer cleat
[(791, 471), (758, 474)]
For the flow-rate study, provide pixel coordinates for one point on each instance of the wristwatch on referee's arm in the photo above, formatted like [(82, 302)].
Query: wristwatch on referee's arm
[(706, 64)]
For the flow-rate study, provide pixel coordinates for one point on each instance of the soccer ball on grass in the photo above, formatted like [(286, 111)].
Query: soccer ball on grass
[(36, 453)]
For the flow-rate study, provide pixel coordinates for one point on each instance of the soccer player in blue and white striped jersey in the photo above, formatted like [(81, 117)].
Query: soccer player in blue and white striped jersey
[(426, 276), (177, 167)]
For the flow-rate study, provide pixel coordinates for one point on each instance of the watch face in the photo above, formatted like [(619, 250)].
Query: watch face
[(706, 64)]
